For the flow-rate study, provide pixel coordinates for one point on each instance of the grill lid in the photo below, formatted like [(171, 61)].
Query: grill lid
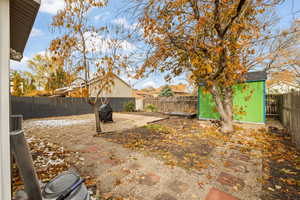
[(60, 184)]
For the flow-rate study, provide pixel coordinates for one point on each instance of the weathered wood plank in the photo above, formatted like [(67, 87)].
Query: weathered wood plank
[(290, 115), (24, 161)]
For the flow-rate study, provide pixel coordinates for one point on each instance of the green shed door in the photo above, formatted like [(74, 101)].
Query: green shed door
[(248, 103)]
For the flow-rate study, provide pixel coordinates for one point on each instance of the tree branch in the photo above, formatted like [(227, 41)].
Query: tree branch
[(217, 18), (238, 12)]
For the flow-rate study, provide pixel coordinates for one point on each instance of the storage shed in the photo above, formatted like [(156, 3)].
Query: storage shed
[(249, 100)]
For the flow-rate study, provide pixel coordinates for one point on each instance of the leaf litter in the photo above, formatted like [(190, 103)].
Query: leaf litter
[(49, 160)]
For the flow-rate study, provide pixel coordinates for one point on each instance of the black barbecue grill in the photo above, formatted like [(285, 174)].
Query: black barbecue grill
[(105, 113)]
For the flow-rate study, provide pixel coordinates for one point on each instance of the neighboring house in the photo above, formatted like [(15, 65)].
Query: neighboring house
[(16, 20), (141, 94), (119, 89), (281, 87), (282, 82), (178, 90)]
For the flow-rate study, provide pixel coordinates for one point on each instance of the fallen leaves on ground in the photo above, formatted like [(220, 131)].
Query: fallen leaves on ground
[(49, 160), (281, 163), (179, 142), (188, 144)]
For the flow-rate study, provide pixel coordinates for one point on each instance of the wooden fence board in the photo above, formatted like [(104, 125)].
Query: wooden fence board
[(173, 104), (289, 114)]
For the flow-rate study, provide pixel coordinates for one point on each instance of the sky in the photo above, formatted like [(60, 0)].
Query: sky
[(41, 35)]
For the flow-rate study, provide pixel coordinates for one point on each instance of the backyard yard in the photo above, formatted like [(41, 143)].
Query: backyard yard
[(152, 156)]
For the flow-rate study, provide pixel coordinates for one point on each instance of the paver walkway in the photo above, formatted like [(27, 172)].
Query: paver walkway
[(124, 173)]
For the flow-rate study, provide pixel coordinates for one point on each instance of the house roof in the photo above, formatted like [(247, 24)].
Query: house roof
[(141, 94), (64, 90), (22, 17), (271, 84), (179, 88), (116, 76)]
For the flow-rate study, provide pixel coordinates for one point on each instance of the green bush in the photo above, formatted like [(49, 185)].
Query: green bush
[(166, 92), (151, 108), (129, 106)]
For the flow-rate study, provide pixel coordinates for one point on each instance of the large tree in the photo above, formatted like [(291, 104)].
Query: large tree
[(88, 49), (48, 73), (210, 39), (282, 53), (17, 83)]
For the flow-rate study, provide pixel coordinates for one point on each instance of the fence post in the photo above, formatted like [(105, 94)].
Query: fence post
[(25, 165)]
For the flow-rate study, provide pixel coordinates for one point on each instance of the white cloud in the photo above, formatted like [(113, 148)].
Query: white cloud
[(101, 16), (149, 84), (19, 65), (97, 43), (124, 23), (51, 6), (120, 21), (36, 32), (97, 17)]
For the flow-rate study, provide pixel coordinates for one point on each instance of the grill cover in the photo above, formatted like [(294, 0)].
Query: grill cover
[(61, 183), (105, 113)]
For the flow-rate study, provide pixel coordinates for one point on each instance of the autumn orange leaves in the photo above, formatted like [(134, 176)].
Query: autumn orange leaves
[(209, 39)]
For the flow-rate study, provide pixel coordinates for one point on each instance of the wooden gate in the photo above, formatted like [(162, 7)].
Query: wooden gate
[(273, 105)]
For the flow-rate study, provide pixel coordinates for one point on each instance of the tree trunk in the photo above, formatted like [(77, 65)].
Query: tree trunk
[(224, 107), (97, 118), (227, 126)]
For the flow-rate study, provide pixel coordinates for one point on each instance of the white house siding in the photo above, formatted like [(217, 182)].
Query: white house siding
[(119, 89), (4, 101)]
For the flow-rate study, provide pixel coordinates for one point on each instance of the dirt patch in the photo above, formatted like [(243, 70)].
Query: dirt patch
[(175, 140)]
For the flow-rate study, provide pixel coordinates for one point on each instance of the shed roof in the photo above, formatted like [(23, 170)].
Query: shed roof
[(256, 76), (252, 76), (22, 16)]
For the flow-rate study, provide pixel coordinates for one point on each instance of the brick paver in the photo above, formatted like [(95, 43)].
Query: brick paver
[(235, 166), (240, 156), (134, 166), (164, 196), (90, 149), (149, 179), (178, 186), (215, 194), (230, 180), (112, 162)]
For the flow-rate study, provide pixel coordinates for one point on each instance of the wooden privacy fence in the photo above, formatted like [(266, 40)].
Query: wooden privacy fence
[(36, 107), (289, 113), (173, 104)]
